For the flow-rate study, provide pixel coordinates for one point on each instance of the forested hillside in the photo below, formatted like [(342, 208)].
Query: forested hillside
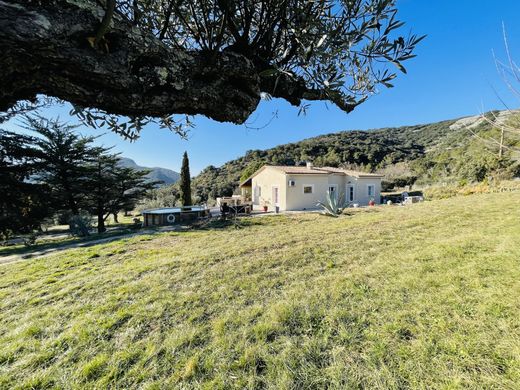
[(442, 152)]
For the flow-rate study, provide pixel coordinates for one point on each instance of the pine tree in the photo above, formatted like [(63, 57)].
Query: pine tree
[(112, 188), (81, 176), (185, 181), (66, 157), (24, 202)]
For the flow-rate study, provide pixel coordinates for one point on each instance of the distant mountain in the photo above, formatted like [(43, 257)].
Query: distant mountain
[(163, 174), (442, 152)]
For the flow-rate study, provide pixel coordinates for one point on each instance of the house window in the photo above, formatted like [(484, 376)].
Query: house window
[(333, 191), (276, 193), (350, 193), (371, 190), (308, 189)]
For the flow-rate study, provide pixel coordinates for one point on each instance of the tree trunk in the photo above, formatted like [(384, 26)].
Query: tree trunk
[(73, 205), (501, 149), (101, 222), (45, 50), (115, 218)]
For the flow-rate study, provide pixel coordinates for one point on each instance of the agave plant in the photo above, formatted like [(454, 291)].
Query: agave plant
[(333, 205)]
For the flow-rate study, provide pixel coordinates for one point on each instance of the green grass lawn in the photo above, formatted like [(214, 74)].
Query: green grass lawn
[(44, 242), (426, 296)]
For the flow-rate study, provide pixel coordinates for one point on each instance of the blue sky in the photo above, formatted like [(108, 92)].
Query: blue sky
[(453, 75)]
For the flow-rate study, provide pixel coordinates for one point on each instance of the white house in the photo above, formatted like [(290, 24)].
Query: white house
[(300, 188)]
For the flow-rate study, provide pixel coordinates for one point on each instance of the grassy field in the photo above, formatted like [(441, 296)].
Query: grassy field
[(426, 296), (46, 240)]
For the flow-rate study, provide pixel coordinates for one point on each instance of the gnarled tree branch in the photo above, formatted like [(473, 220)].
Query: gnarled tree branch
[(210, 57), (45, 51)]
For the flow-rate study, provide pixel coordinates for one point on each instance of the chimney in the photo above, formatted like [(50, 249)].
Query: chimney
[(309, 165)]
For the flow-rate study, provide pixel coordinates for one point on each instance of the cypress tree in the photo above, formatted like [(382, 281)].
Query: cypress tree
[(185, 181)]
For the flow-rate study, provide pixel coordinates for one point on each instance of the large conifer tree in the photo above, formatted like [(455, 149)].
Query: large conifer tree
[(24, 202), (112, 188), (66, 158), (81, 176), (185, 181)]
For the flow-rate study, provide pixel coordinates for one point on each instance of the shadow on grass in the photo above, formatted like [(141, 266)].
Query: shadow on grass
[(220, 223), (44, 247), (27, 250), (353, 211)]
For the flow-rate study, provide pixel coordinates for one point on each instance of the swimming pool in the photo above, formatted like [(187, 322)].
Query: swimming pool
[(173, 215)]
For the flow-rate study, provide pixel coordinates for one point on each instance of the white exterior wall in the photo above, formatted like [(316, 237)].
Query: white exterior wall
[(361, 189), (297, 200), (293, 198), (265, 181), (337, 181)]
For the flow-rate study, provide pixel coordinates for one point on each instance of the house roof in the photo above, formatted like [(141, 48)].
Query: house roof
[(350, 172), (303, 170), (294, 170)]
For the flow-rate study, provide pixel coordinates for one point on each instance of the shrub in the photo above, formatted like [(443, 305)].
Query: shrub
[(137, 224), (450, 191), (30, 240), (5, 235), (333, 205), (398, 182), (80, 225)]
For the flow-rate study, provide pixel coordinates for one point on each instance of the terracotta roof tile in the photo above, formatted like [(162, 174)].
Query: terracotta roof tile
[(350, 172), (322, 170), (299, 169)]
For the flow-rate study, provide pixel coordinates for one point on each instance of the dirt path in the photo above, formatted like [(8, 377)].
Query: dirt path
[(40, 253)]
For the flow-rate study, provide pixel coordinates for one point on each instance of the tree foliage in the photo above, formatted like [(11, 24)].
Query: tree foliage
[(112, 188), (56, 171), (185, 181), (164, 196), (23, 202), (334, 50), (251, 169), (66, 159), (423, 154), (159, 58)]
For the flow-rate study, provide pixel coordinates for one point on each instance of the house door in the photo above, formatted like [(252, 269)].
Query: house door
[(350, 193), (276, 196), (333, 191)]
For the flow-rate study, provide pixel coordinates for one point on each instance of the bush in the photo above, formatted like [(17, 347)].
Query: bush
[(398, 182), (30, 240), (5, 235), (450, 191), (137, 224), (80, 225)]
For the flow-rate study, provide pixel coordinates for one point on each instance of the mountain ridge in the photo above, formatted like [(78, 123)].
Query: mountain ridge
[(167, 176)]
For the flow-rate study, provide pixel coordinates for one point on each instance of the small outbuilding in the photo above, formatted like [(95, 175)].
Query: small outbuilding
[(173, 215)]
